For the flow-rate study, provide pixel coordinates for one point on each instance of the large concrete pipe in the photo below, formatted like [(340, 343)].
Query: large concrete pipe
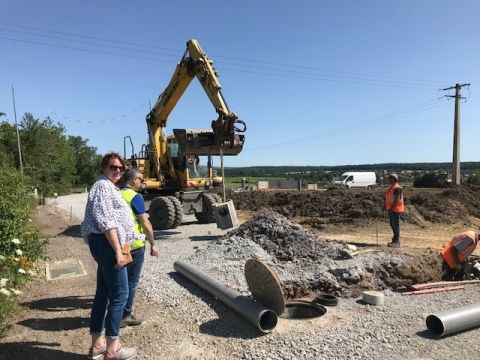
[(455, 320), (262, 317)]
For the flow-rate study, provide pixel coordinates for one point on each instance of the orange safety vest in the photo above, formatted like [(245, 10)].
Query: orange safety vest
[(389, 197), (459, 248)]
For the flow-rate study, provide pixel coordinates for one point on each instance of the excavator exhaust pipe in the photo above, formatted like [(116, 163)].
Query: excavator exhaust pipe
[(202, 143)]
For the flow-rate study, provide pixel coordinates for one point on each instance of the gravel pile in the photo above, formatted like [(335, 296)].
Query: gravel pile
[(305, 263)]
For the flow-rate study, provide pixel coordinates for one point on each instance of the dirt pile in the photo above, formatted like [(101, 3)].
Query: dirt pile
[(347, 206), (421, 269), (305, 263), (448, 206)]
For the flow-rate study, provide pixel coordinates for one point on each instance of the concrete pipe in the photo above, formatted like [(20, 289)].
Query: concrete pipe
[(455, 320), (262, 317)]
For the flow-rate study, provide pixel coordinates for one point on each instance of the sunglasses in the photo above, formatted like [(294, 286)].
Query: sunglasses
[(142, 180), (116, 168)]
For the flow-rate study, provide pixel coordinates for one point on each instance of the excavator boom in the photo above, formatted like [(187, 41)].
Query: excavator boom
[(224, 137)]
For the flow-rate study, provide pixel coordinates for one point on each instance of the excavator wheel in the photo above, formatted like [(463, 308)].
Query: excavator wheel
[(206, 216), (162, 213), (178, 211)]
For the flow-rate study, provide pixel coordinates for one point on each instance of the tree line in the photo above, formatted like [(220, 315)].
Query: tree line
[(467, 167), (53, 161)]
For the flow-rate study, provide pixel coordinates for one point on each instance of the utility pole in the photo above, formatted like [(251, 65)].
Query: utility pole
[(18, 134), (456, 176)]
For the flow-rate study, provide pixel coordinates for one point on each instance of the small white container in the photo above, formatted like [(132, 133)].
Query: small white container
[(373, 297)]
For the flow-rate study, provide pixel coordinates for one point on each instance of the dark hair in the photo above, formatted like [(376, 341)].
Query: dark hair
[(108, 156), (128, 176)]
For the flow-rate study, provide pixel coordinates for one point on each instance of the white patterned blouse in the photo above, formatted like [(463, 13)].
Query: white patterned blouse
[(107, 210)]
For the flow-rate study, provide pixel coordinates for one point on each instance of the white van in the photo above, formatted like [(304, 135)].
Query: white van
[(357, 179)]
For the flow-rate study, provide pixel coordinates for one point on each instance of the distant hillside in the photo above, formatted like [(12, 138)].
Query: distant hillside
[(467, 167)]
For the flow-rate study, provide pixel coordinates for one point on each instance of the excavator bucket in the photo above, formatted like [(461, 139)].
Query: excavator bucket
[(202, 143)]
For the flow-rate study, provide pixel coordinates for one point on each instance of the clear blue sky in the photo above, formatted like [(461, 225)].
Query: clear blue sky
[(351, 64)]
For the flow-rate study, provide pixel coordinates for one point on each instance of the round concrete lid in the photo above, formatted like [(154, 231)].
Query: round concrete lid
[(265, 285)]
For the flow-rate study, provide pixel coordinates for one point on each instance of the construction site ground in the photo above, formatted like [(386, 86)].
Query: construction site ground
[(183, 322)]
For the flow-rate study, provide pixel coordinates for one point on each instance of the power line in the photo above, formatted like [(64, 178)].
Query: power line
[(315, 69), (86, 50), (399, 114), (89, 37), (89, 43), (369, 82), (117, 118), (325, 77)]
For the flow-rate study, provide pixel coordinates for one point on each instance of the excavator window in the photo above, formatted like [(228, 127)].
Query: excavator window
[(173, 148)]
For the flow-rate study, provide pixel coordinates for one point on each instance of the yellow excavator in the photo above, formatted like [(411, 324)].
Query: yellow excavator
[(171, 165)]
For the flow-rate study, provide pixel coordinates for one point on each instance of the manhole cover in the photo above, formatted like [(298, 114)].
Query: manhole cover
[(265, 285), (64, 269)]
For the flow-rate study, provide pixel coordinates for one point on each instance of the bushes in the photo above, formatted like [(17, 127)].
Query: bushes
[(431, 180), (474, 179), (19, 242)]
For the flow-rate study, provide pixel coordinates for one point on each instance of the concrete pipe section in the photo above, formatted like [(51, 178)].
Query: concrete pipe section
[(260, 316), (454, 320)]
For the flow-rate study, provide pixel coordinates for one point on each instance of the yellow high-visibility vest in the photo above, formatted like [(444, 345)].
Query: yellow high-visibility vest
[(128, 195)]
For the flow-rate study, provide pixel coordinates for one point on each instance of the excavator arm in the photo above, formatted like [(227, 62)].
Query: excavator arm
[(225, 137)]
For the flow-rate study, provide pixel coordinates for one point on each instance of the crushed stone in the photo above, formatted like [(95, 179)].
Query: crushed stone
[(306, 264)]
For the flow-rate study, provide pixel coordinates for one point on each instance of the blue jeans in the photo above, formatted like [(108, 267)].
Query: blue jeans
[(395, 225), (112, 289), (134, 270)]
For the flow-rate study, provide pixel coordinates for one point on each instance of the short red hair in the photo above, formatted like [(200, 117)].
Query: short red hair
[(109, 156)]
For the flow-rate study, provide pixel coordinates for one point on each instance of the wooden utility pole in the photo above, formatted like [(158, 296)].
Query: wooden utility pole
[(18, 134), (456, 176)]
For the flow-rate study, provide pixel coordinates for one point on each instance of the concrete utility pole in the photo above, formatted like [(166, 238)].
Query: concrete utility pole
[(456, 176), (18, 134)]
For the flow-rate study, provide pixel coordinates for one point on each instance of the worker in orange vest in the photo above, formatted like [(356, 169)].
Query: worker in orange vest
[(456, 251), (395, 207)]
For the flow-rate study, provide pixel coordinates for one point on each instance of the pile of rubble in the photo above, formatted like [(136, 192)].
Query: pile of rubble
[(305, 263)]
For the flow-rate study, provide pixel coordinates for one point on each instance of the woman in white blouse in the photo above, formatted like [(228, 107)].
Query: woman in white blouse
[(107, 225)]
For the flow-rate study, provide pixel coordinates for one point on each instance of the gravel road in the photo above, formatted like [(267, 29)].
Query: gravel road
[(184, 322)]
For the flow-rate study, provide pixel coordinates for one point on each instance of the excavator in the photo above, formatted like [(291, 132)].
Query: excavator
[(170, 165)]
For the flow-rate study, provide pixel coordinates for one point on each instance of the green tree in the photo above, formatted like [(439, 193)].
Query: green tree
[(474, 179), (430, 180), (8, 144), (87, 161), (48, 157)]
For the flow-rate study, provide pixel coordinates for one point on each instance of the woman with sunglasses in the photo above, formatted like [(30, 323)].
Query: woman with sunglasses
[(107, 226)]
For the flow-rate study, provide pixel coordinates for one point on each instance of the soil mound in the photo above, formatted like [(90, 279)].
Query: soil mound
[(421, 269), (456, 205)]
